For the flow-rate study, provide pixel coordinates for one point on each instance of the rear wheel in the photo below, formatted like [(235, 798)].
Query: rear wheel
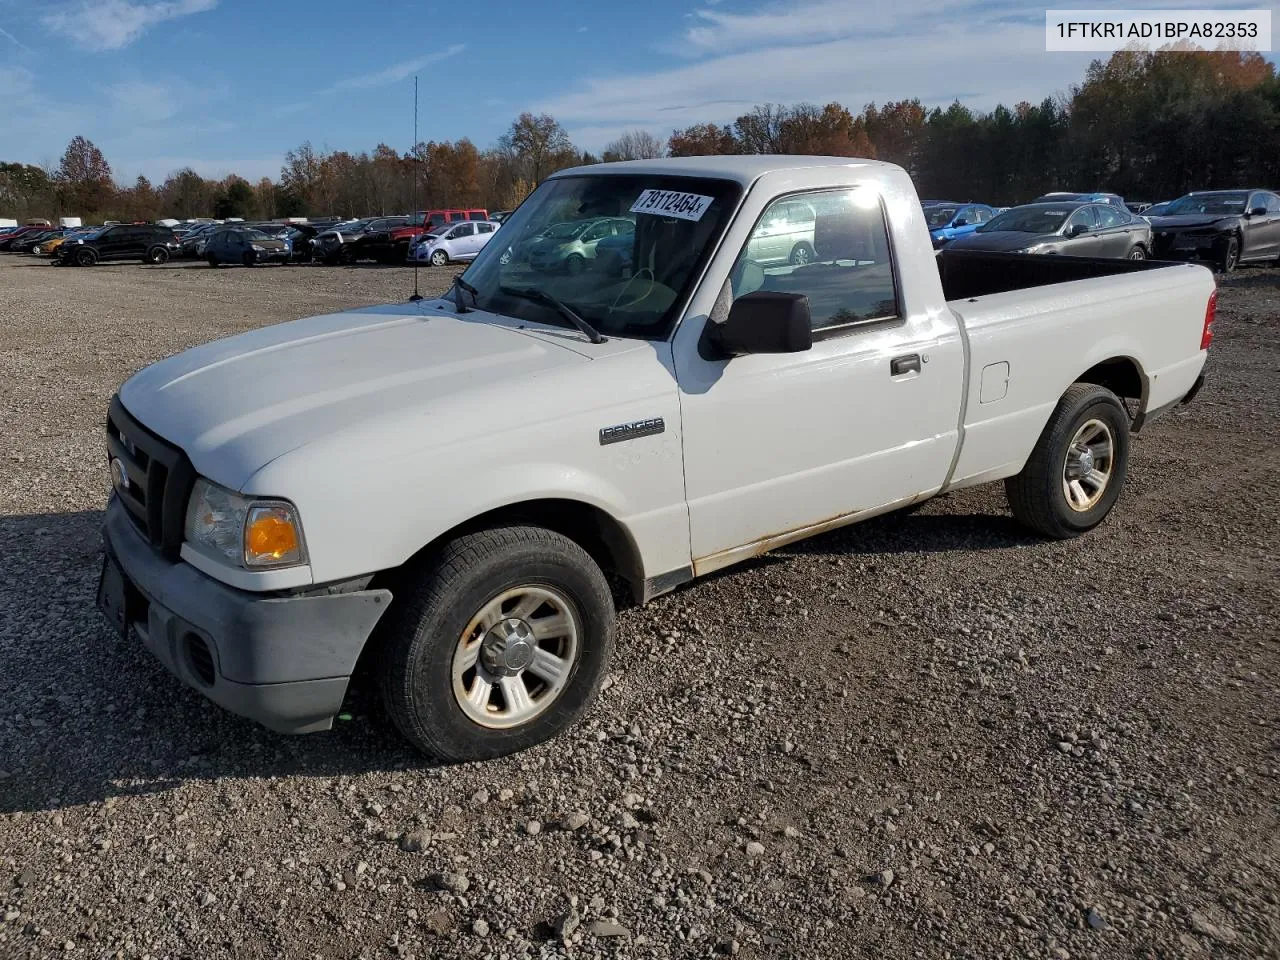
[(1136, 252), (1076, 471), (212, 260), (574, 264), (157, 255), (500, 643)]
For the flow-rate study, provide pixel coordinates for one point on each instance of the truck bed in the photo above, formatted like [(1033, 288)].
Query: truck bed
[(977, 273)]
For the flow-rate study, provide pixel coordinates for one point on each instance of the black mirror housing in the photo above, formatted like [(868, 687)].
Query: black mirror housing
[(1076, 230), (761, 322), (1258, 212), (962, 222)]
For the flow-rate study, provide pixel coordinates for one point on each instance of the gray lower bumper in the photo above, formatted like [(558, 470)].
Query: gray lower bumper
[(282, 660)]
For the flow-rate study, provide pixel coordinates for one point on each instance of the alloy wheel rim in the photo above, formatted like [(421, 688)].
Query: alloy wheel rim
[(1089, 465), (516, 656)]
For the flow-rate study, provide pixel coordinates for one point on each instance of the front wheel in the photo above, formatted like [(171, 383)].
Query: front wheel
[(212, 260), (499, 643), (249, 258), (86, 257), (574, 265), (1231, 256), (157, 255), (439, 258), (801, 254), (1076, 471), (1136, 252)]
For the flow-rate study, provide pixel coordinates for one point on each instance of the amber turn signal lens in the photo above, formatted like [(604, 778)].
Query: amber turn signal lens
[(271, 537)]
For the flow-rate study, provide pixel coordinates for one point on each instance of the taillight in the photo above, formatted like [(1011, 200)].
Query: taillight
[(1210, 313)]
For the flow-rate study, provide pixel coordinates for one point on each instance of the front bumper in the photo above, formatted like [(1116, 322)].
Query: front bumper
[(283, 660), (1175, 246)]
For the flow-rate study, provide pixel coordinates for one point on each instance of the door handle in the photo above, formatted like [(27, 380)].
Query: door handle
[(908, 364)]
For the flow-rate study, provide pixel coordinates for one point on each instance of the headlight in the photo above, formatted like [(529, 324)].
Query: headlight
[(243, 531), (258, 249)]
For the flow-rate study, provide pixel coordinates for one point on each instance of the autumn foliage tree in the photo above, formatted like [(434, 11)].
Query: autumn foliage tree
[(84, 178)]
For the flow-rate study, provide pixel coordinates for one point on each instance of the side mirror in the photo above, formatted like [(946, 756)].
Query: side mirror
[(1258, 212), (761, 322), (962, 222), (1077, 229)]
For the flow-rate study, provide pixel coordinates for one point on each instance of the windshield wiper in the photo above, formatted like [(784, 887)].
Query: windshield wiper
[(457, 298), (562, 308)]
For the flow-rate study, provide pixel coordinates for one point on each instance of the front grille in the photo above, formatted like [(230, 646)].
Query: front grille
[(200, 659), (158, 479)]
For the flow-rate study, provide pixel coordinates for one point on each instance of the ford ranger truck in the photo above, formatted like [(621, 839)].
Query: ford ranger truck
[(448, 488)]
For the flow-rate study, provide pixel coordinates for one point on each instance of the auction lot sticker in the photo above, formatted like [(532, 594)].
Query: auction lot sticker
[(672, 203), (1105, 30)]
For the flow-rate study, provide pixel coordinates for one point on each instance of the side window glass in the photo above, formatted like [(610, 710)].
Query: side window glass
[(484, 227), (1083, 217), (464, 230), (1110, 217), (848, 278), (1273, 203)]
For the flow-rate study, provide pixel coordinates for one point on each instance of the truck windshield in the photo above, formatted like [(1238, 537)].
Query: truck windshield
[(1030, 219), (633, 286)]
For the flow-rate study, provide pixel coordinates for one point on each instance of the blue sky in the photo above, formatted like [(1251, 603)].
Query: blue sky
[(230, 85)]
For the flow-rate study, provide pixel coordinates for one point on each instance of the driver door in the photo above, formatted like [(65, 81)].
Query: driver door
[(1086, 244), (778, 445)]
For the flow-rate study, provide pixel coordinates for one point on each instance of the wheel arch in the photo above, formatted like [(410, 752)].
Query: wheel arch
[(606, 539)]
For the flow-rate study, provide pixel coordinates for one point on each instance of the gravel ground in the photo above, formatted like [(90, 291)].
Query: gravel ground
[(926, 736)]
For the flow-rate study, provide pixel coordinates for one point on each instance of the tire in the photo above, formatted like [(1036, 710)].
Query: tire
[(801, 254), (574, 264), (212, 260), (1136, 252), (1230, 256), (248, 259), (86, 258), (1041, 495), (439, 258), (157, 255), (435, 619)]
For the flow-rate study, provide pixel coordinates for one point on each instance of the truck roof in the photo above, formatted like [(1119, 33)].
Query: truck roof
[(744, 169)]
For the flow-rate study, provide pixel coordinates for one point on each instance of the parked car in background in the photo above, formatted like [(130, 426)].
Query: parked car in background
[(499, 215), (614, 254), (1156, 209), (947, 220), (247, 246), (17, 235), (1060, 196), (462, 241), (1072, 228), (298, 237), (1225, 227), (127, 241), (572, 247), (783, 235), (192, 242), (28, 243), (336, 245), (396, 244), (50, 248)]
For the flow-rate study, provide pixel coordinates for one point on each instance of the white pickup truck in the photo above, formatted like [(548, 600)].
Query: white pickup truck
[(447, 486)]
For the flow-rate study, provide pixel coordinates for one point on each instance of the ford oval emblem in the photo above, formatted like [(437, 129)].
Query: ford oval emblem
[(119, 476)]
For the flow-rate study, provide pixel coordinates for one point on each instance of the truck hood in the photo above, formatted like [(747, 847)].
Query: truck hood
[(235, 405)]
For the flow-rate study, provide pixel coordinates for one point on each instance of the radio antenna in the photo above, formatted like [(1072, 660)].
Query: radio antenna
[(417, 189)]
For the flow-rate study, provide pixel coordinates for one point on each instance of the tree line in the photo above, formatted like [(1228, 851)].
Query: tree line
[(1149, 126)]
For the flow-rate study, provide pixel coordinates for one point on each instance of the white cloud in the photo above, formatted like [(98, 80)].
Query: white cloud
[(397, 72), (114, 24)]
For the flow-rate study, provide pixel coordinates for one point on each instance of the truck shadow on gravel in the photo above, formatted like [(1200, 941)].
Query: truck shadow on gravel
[(86, 716)]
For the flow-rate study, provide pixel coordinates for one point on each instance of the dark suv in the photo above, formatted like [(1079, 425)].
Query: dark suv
[(125, 241)]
